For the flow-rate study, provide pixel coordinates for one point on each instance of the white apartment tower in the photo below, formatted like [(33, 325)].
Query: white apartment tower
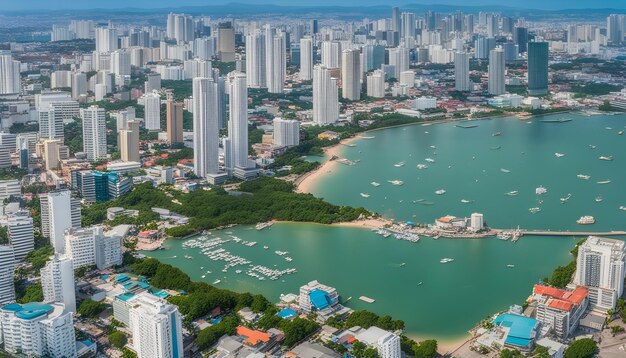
[(276, 56), (80, 245), (21, 237), (331, 54), (7, 269), (59, 212), (9, 74), (461, 72), (389, 346), (238, 124), (94, 133), (106, 39), (255, 60), (57, 282), (325, 96), (351, 74), (496, 72), (306, 59), (376, 84), (205, 124), (286, 132), (50, 123), (120, 63), (152, 110), (600, 267), (156, 327), (399, 58)]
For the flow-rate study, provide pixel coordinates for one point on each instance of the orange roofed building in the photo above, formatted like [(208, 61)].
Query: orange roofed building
[(253, 338), (560, 309)]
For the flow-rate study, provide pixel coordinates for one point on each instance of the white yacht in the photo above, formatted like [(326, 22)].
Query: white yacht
[(512, 193), (396, 182), (422, 166), (586, 220), (375, 183), (592, 146), (433, 147), (505, 170), (598, 199), (604, 181), (540, 190), (430, 160), (446, 260), (465, 201), (534, 210), (440, 192), (398, 165), (559, 155), (565, 199), (217, 281), (623, 208), (365, 195), (607, 158), (583, 176)]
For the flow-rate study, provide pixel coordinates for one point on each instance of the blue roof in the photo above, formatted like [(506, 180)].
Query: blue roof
[(143, 285), (105, 277), (28, 311), (522, 329), (286, 313), (320, 299), (161, 294), (125, 296), (122, 278)]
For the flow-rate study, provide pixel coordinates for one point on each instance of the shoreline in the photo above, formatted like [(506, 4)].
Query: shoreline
[(445, 347)]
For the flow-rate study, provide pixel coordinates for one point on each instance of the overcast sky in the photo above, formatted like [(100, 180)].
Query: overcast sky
[(114, 4)]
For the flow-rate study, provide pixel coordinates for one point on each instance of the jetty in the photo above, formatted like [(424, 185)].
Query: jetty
[(367, 299)]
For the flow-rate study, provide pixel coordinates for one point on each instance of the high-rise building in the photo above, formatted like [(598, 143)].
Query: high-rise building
[(395, 19), (174, 121), (180, 27), (59, 212), (128, 142), (331, 54), (79, 84), (57, 282), (106, 39), (7, 269), (408, 25), (351, 74), (286, 132), (8, 146), (153, 83), (276, 57), (53, 152), (389, 346), (38, 329), (560, 309), (483, 45), (373, 57), (9, 187), (255, 60), (120, 63), (238, 124), (152, 110), (461, 72), (94, 133), (226, 42), (50, 124), (615, 28), (156, 327), (9, 74), (306, 58), (520, 38), (109, 247), (80, 245), (204, 48), (325, 96), (537, 68), (600, 267), (399, 58), (197, 68), (496, 72), (205, 126), (376, 84), (21, 237)]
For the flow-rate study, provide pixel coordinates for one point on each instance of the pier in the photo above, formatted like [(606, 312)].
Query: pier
[(572, 233)]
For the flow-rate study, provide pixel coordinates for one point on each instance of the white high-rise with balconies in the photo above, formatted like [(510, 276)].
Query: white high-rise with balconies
[(306, 58), (255, 60), (389, 346), (238, 123), (80, 245), (205, 124), (9, 74), (156, 327), (376, 84), (106, 39), (331, 54), (7, 269), (461, 72), (57, 282), (325, 96), (50, 123), (120, 62), (59, 212), (600, 267), (94, 133), (286, 132), (399, 58), (496, 85), (21, 236), (351, 74), (152, 111)]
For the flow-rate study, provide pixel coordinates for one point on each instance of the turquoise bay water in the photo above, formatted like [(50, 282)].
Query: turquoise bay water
[(454, 296)]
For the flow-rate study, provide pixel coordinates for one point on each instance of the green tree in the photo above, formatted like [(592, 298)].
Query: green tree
[(582, 348), (118, 339), (90, 309), (426, 349)]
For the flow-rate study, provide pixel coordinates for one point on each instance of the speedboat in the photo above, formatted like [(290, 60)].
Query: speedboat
[(607, 158), (398, 165), (510, 266), (620, 132), (565, 199), (583, 176), (497, 134), (430, 160), (465, 201), (365, 195), (623, 208), (422, 166), (540, 190), (505, 170), (433, 147), (592, 146), (608, 128), (217, 281), (586, 220), (375, 183), (440, 192), (559, 155), (604, 182), (512, 193), (598, 199), (446, 260), (534, 210), (396, 182)]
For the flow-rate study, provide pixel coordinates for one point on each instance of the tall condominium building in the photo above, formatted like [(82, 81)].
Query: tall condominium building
[(153, 83), (109, 247), (331, 54), (537, 68), (204, 48), (600, 267), (376, 84), (205, 126), (57, 282), (50, 123), (106, 39), (120, 63), (38, 329), (79, 84), (174, 121), (483, 45), (399, 58), (496, 72), (180, 27), (21, 237), (255, 60), (615, 28), (8, 188), (226, 42), (80, 245), (59, 212), (306, 58), (9, 74), (152, 105), (53, 152), (128, 142), (156, 327), (395, 19), (461, 72), (94, 133), (197, 68), (389, 346), (238, 124), (276, 56), (286, 132), (7, 269), (325, 96), (520, 38), (351, 75), (8, 146), (373, 57), (82, 29)]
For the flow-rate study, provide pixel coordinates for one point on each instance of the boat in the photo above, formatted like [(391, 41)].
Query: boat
[(604, 181), (559, 155), (465, 201), (465, 126), (565, 199), (203, 276), (420, 283), (512, 193), (288, 259), (586, 220), (396, 182), (623, 208), (504, 236), (440, 192), (422, 166), (433, 147), (540, 190), (592, 146), (560, 120), (266, 247), (583, 176), (505, 170), (365, 195), (534, 210), (510, 266), (430, 160), (607, 158), (446, 260), (375, 183), (399, 164), (403, 264), (496, 148), (261, 226), (598, 199), (217, 281), (367, 299), (497, 134), (608, 128), (620, 132)]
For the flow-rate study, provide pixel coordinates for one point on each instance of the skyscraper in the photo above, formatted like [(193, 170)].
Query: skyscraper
[(286, 132), (255, 60), (395, 19), (106, 39), (325, 96), (50, 123), (496, 72), (128, 142), (57, 282), (351, 74), (483, 45), (120, 63), (408, 25), (521, 38), (537, 68), (80, 245), (226, 42), (21, 237), (9, 74), (331, 54), (7, 269), (156, 327), (461, 72), (152, 110), (600, 267), (399, 58), (615, 27), (306, 58), (376, 84), (94, 133), (59, 212), (174, 121), (238, 124), (205, 127), (276, 57)]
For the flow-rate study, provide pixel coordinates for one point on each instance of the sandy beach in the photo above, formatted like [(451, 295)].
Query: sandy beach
[(446, 347)]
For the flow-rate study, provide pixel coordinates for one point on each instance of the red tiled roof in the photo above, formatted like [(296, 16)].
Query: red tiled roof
[(563, 300), (560, 305), (252, 337)]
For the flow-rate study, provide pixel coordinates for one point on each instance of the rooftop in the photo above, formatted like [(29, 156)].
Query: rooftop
[(30, 310), (253, 337), (522, 329)]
